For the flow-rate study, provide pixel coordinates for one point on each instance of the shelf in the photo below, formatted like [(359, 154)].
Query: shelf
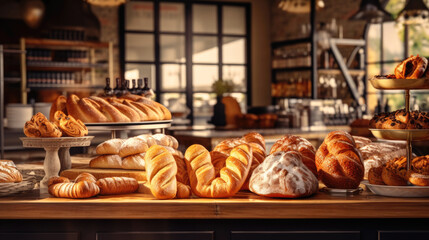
[(63, 66), (12, 79), (64, 43), (292, 69), (290, 42), (353, 72), (62, 86)]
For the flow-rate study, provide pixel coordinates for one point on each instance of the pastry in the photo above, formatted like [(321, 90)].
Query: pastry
[(106, 161), (401, 119), (31, 129), (58, 105), (339, 162), (62, 187), (69, 125), (374, 175), (394, 172), (117, 185), (111, 146), (419, 172), (411, 68), (9, 173), (283, 175), (299, 144), (204, 182), (40, 126)]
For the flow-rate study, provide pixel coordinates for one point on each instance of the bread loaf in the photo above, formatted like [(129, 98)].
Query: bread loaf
[(84, 109), (339, 162), (62, 187), (106, 161), (132, 146), (9, 173), (298, 144), (166, 140), (111, 146), (112, 114), (283, 175), (135, 161), (117, 185), (85, 177), (161, 172), (202, 173)]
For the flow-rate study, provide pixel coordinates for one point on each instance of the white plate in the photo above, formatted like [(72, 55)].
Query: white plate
[(398, 191)]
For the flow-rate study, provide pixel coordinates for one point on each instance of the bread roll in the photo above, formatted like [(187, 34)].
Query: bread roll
[(62, 187), (134, 162), (117, 185), (299, 144), (161, 172), (202, 173), (106, 161), (283, 175), (85, 177), (339, 162), (111, 146)]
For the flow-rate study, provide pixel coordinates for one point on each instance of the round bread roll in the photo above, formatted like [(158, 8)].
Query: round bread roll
[(299, 144), (283, 174), (339, 162)]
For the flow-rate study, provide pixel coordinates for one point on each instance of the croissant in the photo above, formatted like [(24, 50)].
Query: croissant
[(202, 173), (117, 185), (339, 162), (63, 188)]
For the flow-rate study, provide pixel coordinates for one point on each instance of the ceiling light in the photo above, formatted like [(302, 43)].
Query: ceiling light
[(371, 11), (299, 6), (414, 12)]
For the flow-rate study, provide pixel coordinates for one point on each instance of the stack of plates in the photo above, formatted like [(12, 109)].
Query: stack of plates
[(18, 114)]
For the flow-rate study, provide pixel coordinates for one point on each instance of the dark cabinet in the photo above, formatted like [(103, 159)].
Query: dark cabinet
[(403, 235), (296, 235), (39, 236), (197, 235)]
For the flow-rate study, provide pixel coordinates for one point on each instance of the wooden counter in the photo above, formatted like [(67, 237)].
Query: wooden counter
[(244, 205)]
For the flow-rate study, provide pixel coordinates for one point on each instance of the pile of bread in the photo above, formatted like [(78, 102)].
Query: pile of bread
[(127, 108), (59, 125)]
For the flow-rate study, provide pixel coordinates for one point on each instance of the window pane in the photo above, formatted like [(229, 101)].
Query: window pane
[(389, 68), (139, 47), (136, 71), (419, 39), (373, 43), (172, 17), (204, 18), (234, 20), (173, 77), (205, 50), (238, 76), (176, 103), (393, 45), (139, 16), (203, 107), (203, 76), (234, 50), (172, 48)]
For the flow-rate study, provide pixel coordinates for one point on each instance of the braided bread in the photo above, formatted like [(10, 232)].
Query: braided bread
[(202, 173), (284, 175), (339, 162), (117, 185), (299, 144)]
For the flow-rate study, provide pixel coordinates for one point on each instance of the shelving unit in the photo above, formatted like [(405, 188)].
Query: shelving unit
[(54, 66)]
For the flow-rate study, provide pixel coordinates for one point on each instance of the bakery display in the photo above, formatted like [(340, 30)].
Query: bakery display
[(255, 140), (202, 177), (9, 173), (400, 119), (299, 144), (60, 126), (283, 175), (127, 108), (339, 162)]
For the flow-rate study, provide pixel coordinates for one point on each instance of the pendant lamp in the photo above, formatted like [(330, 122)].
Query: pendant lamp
[(414, 12), (371, 11)]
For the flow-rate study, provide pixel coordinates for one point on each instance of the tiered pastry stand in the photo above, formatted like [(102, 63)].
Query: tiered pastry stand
[(114, 127), (52, 163), (408, 135)]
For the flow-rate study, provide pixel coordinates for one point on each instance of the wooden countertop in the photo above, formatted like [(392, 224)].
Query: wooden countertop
[(245, 205)]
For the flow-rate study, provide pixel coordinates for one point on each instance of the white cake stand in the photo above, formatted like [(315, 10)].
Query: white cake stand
[(52, 164)]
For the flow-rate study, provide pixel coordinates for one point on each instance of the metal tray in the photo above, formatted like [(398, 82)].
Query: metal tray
[(401, 134), (399, 84), (109, 126), (398, 191)]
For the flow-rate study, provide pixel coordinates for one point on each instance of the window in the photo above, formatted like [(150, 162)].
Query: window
[(387, 45), (183, 47)]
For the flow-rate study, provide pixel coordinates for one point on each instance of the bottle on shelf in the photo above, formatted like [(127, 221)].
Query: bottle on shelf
[(147, 91), (117, 89), (139, 90), (108, 91), (124, 88), (133, 87)]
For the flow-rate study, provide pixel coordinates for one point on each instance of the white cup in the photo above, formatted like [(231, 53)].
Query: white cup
[(17, 114)]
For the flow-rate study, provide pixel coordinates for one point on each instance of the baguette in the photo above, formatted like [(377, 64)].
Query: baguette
[(112, 113)]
